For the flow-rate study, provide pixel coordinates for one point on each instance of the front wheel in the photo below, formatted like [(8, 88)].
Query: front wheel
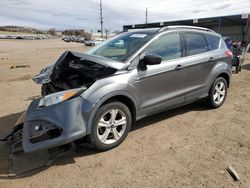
[(217, 93), (110, 126)]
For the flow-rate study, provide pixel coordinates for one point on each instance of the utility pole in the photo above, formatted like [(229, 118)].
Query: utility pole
[(146, 16), (101, 18)]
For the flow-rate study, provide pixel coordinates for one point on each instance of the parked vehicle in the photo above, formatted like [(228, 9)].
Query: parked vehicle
[(89, 43), (73, 38), (66, 38), (228, 42), (98, 41), (135, 74), (94, 42)]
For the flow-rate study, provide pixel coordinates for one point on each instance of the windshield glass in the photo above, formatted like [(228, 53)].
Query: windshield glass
[(122, 46)]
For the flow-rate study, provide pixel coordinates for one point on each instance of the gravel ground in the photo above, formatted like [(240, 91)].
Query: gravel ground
[(187, 147)]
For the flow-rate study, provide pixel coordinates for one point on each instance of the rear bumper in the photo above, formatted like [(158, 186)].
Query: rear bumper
[(55, 125)]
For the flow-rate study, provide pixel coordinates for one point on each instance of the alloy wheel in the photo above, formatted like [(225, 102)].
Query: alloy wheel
[(111, 126), (219, 92)]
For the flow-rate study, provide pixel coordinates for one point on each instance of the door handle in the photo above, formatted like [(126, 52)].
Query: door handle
[(211, 60), (179, 67)]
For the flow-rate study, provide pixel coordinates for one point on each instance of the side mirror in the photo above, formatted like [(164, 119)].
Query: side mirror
[(151, 60)]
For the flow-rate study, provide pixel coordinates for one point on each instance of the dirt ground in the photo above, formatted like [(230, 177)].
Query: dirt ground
[(187, 147)]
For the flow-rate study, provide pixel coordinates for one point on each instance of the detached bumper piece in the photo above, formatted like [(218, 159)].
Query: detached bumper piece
[(39, 131), (42, 135), (20, 162)]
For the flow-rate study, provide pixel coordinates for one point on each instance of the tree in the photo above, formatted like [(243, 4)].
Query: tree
[(52, 31)]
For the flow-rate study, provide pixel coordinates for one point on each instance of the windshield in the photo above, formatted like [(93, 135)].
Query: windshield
[(122, 46)]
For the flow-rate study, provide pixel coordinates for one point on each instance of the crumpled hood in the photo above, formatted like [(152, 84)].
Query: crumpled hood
[(45, 75)]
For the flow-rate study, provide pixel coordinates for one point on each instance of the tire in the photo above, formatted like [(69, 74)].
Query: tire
[(237, 69), (215, 101), (111, 125)]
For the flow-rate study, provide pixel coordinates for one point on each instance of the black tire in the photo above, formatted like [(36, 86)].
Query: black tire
[(239, 68), (210, 100), (97, 143)]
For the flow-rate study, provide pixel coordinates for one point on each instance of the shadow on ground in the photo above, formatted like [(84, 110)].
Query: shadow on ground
[(6, 125), (7, 122), (246, 66)]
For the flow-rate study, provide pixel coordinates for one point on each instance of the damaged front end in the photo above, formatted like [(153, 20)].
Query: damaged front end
[(75, 70), (61, 115)]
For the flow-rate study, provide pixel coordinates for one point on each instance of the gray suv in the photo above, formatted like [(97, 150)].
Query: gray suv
[(134, 74)]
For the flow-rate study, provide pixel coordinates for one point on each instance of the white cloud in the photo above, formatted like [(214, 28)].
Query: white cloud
[(85, 13)]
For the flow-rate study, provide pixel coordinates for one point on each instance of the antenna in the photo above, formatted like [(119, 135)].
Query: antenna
[(146, 16), (101, 18)]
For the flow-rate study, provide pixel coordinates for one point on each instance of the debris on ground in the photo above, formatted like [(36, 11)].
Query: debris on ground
[(21, 163), (233, 173), (3, 58), (19, 66)]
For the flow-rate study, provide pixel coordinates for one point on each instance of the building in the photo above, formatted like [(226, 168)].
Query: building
[(237, 27)]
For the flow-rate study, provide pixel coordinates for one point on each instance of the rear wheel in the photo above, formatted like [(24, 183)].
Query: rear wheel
[(217, 93), (111, 125)]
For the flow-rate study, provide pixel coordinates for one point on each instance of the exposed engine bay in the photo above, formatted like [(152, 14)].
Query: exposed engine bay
[(71, 70)]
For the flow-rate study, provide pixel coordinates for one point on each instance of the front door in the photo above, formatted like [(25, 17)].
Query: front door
[(162, 86)]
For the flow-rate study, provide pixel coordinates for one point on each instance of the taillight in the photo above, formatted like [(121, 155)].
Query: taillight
[(229, 54)]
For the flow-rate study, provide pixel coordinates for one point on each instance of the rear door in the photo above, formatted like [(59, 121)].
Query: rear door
[(199, 64)]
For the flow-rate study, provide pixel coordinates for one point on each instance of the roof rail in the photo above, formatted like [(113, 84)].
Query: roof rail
[(183, 27)]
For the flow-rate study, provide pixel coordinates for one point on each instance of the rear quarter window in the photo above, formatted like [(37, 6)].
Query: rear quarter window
[(195, 43), (213, 42)]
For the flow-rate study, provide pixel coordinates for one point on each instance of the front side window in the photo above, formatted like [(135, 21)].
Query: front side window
[(167, 47), (196, 43)]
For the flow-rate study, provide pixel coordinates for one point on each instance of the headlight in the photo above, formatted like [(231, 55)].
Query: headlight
[(67, 96), (59, 97)]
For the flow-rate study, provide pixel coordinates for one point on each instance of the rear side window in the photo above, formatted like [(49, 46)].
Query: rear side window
[(213, 42), (196, 43)]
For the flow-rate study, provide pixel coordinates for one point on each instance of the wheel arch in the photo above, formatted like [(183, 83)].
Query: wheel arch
[(226, 77), (125, 100), (120, 96)]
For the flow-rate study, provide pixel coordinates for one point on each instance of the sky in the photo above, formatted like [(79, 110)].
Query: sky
[(65, 14)]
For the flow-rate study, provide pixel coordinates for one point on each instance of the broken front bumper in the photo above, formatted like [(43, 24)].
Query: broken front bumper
[(55, 125)]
